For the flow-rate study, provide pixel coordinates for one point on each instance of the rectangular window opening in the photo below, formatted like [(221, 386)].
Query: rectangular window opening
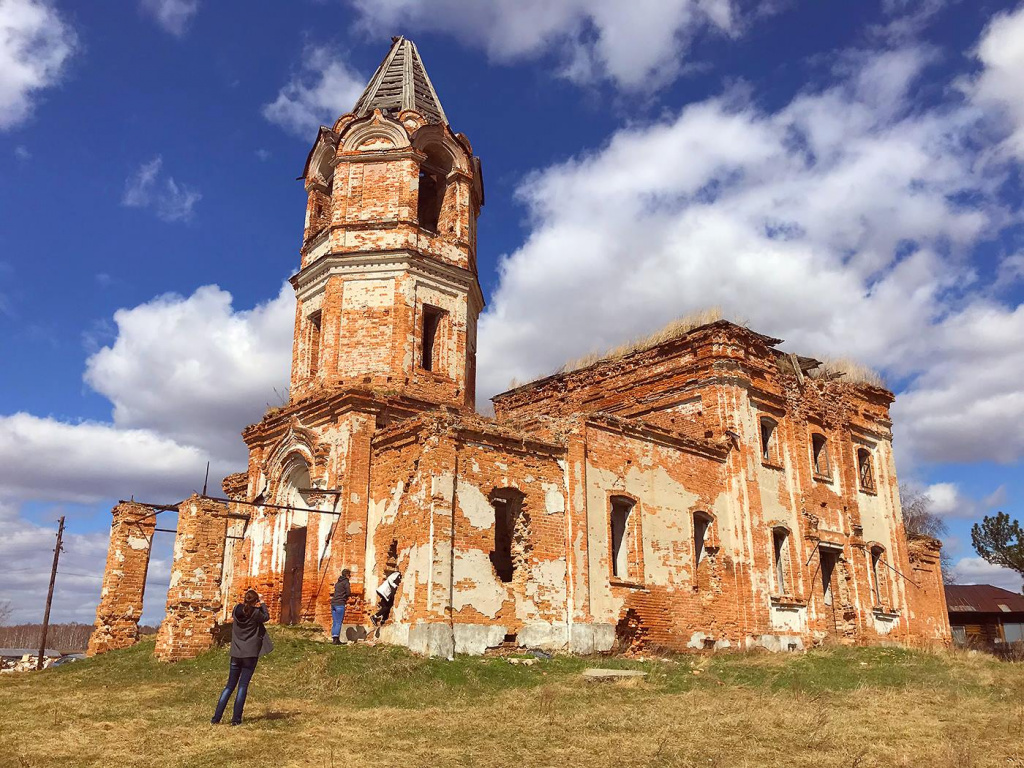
[(430, 348), (503, 525), (877, 574), (314, 343), (621, 509), (864, 470), (767, 435), (828, 568), (779, 541), (819, 450)]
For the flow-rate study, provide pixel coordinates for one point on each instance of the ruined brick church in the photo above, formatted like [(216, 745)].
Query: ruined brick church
[(703, 491)]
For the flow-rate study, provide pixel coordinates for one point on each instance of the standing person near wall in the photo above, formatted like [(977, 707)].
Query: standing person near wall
[(342, 591), (249, 641), (386, 592)]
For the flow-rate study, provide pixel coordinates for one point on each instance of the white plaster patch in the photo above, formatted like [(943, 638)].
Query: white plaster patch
[(475, 506), (486, 593), (391, 510), (789, 619), (138, 542), (554, 501), (442, 486), (354, 528)]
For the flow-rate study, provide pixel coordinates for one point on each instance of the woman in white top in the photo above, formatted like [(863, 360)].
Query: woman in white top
[(386, 591)]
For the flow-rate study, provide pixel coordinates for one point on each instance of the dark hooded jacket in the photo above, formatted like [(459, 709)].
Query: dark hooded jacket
[(248, 631), (342, 591)]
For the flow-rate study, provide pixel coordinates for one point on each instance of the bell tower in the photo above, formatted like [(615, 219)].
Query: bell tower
[(387, 293)]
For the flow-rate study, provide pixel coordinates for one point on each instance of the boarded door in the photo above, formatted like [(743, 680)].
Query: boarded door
[(291, 589), (829, 584)]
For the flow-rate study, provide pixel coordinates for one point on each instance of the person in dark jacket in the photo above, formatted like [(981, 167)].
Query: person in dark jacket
[(249, 641), (342, 591)]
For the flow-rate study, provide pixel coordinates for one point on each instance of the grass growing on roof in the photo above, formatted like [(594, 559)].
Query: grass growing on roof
[(317, 704)]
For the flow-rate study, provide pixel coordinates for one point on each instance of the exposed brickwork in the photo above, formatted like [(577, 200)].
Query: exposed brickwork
[(193, 600), (634, 502), (124, 580)]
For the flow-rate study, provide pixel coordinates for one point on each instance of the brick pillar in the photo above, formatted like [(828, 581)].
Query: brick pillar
[(926, 596), (194, 597), (124, 579)]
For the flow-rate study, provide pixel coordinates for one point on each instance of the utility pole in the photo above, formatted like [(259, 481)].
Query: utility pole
[(49, 595)]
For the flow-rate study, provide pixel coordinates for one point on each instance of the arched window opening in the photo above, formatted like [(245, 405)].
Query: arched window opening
[(433, 184), (511, 534), (780, 550), (819, 456), (768, 439), (878, 575), (314, 343), (622, 510), (864, 469)]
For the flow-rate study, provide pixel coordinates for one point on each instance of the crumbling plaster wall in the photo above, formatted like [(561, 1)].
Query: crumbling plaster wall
[(434, 484), (667, 601), (719, 383)]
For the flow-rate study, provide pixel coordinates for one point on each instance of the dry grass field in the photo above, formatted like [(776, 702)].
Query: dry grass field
[(313, 704)]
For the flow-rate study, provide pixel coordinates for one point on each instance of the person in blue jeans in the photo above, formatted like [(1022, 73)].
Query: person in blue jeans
[(249, 641), (342, 591)]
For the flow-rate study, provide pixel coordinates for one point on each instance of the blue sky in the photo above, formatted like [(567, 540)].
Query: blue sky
[(846, 176)]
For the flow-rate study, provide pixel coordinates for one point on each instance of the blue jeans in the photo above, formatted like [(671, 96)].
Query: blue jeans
[(239, 674), (337, 618)]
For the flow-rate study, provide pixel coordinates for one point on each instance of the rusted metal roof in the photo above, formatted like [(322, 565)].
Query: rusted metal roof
[(982, 598), (401, 82)]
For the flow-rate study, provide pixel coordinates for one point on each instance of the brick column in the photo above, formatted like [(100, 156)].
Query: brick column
[(194, 597), (124, 579)]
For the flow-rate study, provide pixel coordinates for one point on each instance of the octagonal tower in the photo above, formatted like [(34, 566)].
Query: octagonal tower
[(387, 294)]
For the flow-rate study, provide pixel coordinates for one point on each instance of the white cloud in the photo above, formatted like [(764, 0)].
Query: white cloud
[(28, 546), (96, 461), (185, 375), (147, 188), (947, 500), (974, 570), (325, 89), (21, 152), (836, 222), (173, 15), (638, 45), (35, 45), (999, 84), (196, 370), (969, 391)]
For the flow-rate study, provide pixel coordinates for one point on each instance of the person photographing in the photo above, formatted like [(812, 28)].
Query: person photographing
[(249, 641)]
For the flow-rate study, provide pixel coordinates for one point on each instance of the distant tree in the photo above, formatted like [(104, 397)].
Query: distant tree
[(999, 540), (6, 609), (919, 520), (918, 517)]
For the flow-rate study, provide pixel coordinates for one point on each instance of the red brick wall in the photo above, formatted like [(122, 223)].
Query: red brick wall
[(193, 599), (124, 579)]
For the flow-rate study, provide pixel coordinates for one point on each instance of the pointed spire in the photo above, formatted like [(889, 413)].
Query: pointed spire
[(401, 82)]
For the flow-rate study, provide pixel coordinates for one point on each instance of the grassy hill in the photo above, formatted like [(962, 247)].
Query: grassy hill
[(313, 704)]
